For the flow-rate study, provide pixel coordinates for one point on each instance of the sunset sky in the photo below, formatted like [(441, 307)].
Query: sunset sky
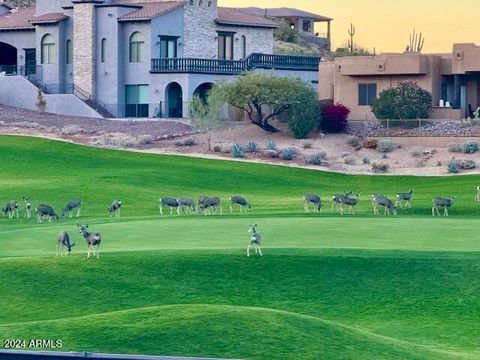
[(387, 24)]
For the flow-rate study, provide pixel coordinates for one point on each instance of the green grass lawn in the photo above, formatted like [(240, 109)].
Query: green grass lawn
[(328, 287)]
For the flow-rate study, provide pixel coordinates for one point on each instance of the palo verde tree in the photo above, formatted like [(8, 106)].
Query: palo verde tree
[(207, 113), (264, 96)]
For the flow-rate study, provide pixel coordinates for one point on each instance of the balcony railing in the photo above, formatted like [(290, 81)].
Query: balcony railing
[(235, 67)]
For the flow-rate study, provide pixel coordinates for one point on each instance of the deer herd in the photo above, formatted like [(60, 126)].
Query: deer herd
[(205, 205)]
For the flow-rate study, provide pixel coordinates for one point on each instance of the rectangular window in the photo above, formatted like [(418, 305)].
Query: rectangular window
[(225, 46), (168, 47), (307, 26), (69, 52), (136, 100), (366, 94), (103, 50), (48, 54)]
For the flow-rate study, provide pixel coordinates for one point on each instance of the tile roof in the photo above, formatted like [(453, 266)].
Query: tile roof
[(149, 11), (285, 13), (17, 20), (51, 18), (7, 5), (233, 16)]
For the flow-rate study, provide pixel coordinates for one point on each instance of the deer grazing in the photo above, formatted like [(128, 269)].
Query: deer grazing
[(336, 199), (477, 194), (242, 202), (172, 203), (114, 209), (93, 239), (380, 200), (350, 202), (28, 207), (442, 203), (209, 205), (72, 205), (45, 212), (255, 240), (312, 199), (405, 197), (10, 209), (63, 244), (186, 205)]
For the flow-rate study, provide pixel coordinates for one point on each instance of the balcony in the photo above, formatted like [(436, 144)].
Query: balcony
[(235, 67)]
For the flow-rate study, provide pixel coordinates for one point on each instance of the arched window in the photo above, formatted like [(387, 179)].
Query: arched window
[(103, 50), (244, 47), (48, 49), (69, 52), (137, 45)]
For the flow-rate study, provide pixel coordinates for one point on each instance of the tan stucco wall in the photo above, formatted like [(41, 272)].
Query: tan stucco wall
[(465, 58)]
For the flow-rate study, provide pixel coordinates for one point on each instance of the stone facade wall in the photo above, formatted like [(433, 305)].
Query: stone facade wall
[(84, 47), (258, 40), (200, 30)]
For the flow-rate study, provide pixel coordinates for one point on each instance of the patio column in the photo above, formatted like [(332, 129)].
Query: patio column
[(329, 36), (456, 91)]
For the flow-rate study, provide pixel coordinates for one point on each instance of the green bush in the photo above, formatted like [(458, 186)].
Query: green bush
[(470, 147), (467, 164), (354, 141), (385, 146), (315, 159), (285, 33), (304, 116)]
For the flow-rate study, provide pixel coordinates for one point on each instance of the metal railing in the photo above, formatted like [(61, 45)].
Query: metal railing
[(160, 110), (235, 67)]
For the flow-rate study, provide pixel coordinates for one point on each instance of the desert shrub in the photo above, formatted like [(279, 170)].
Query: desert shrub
[(271, 153), (349, 160), (354, 141), (288, 154), (217, 148), (186, 142), (122, 140), (467, 164), (323, 155), (453, 166), (315, 159), (439, 163), (334, 117), (405, 101), (370, 144), (251, 147), (417, 153), (304, 116), (455, 148), (237, 151), (470, 147), (284, 33), (366, 161), (385, 146), (271, 145), (72, 130), (380, 167), (28, 125), (384, 156), (144, 139), (307, 145)]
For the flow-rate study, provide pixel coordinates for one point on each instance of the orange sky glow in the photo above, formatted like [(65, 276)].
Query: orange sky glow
[(387, 24)]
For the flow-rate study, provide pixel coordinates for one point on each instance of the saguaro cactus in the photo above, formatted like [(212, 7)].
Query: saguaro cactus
[(416, 42), (351, 32)]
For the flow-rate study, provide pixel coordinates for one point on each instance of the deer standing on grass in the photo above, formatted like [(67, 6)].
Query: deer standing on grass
[(28, 207), (242, 202), (380, 200), (312, 199), (404, 197), (72, 205), (114, 209), (45, 212), (93, 239), (209, 205), (336, 199), (350, 202), (187, 204), (255, 240), (442, 203), (172, 203), (63, 244), (10, 209), (477, 194)]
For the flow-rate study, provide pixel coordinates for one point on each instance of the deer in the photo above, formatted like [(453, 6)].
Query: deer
[(28, 207), (404, 197), (336, 199), (442, 203), (63, 244), (380, 200), (45, 212), (10, 209), (255, 240), (72, 205), (351, 202), (242, 202), (172, 203), (186, 203), (477, 194), (93, 239), (207, 204), (114, 209), (312, 199)]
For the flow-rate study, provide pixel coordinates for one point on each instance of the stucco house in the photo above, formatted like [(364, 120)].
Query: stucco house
[(133, 58), (452, 78)]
